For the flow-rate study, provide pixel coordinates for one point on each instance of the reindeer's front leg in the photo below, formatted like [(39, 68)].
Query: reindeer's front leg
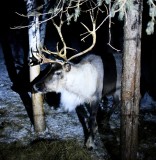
[(92, 125), (83, 114), (87, 117)]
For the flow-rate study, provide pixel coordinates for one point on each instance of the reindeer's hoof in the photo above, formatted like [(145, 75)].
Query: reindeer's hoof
[(90, 143)]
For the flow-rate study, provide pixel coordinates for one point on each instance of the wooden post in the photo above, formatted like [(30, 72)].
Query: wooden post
[(34, 45)]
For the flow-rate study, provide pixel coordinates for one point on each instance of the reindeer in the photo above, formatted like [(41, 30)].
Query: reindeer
[(80, 84)]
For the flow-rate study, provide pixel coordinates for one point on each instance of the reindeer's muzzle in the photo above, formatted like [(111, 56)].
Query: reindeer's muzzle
[(39, 87)]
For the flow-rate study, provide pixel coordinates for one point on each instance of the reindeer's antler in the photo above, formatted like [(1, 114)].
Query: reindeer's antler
[(63, 52), (93, 33)]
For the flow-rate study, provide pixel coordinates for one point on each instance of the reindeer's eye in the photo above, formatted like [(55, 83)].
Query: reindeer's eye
[(58, 73)]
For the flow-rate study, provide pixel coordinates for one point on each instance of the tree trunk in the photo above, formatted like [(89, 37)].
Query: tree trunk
[(131, 82), (43, 25), (34, 43)]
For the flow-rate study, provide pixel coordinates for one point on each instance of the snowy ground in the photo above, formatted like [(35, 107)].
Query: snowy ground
[(15, 124)]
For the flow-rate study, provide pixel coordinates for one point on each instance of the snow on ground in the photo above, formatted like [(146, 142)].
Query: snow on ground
[(147, 102)]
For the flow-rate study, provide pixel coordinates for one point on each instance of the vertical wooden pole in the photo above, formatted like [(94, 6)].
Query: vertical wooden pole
[(34, 45), (37, 103)]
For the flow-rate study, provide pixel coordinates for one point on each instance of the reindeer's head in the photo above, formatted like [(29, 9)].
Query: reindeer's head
[(54, 78)]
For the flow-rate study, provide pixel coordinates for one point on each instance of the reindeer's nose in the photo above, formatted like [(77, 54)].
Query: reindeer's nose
[(38, 87)]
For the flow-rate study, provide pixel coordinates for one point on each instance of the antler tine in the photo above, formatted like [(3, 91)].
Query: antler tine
[(48, 51), (47, 60), (90, 32), (63, 52), (39, 56)]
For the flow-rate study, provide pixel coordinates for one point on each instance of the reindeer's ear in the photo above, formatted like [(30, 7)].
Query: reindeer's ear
[(67, 67)]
